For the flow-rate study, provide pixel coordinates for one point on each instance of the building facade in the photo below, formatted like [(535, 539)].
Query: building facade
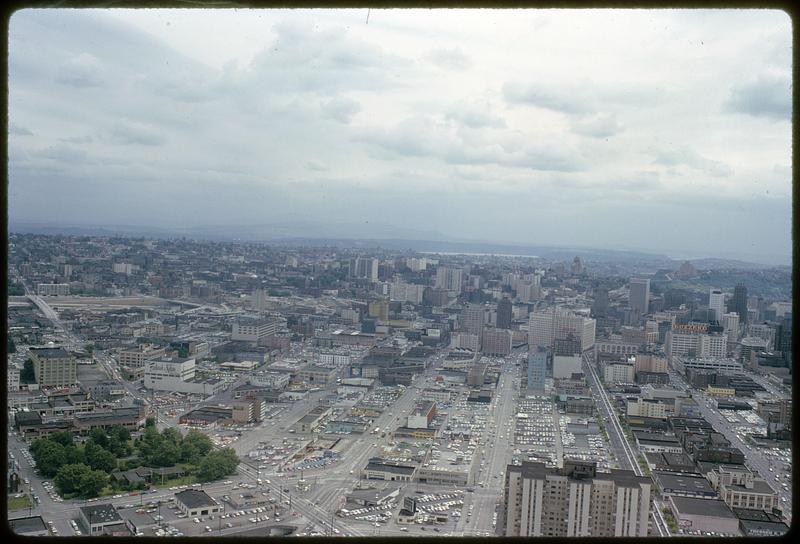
[(639, 297), (54, 367), (574, 501)]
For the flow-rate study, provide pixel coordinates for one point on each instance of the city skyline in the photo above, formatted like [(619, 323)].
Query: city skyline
[(627, 129), (185, 387)]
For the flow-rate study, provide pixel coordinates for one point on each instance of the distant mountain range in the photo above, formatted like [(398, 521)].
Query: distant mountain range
[(343, 235)]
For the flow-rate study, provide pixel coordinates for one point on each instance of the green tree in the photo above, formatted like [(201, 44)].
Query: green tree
[(195, 446), (65, 438), (12, 347), (27, 375), (217, 464), (172, 434), (167, 454), (49, 457), (121, 433), (149, 422), (68, 478), (92, 483), (99, 458), (99, 436), (73, 455)]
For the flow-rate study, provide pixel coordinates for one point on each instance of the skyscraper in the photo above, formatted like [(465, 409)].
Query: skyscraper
[(537, 369), (575, 500), (504, 314), (639, 298), (546, 326), (738, 303), (472, 319), (716, 302), (600, 303), (449, 278)]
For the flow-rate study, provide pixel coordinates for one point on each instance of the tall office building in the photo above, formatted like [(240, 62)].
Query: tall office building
[(496, 342), (693, 341), (575, 500), (54, 367), (639, 297), (449, 278), (716, 303), (730, 323), (472, 319), (537, 369), (738, 303), (504, 311), (548, 325), (600, 303), (783, 337), (364, 267)]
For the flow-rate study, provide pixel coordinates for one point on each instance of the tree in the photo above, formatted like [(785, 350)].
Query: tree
[(149, 422), (73, 455), (171, 434), (166, 454), (92, 483), (12, 347), (99, 436), (68, 479), (217, 464), (98, 458), (64, 438), (49, 457), (121, 433), (195, 446), (27, 375)]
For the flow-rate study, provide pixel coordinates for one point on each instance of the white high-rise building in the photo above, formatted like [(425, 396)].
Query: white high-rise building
[(730, 322), (716, 302), (574, 501), (695, 344), (449, 278), (406, 292), (547, 326)]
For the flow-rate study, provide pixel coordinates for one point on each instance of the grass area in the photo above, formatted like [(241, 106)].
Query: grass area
[(19, 503)]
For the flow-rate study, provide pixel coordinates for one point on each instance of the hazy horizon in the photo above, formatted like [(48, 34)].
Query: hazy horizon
[(201, 232), (666, 131)]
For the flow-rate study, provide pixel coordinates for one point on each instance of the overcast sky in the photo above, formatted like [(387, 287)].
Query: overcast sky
[(660, 130)]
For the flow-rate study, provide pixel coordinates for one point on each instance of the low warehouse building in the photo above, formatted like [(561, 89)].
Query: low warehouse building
[(194, 503)]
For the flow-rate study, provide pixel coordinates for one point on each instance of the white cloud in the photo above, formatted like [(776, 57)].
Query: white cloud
[(291, 107)]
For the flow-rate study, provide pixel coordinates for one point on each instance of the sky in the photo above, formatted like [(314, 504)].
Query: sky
[(662, 130)]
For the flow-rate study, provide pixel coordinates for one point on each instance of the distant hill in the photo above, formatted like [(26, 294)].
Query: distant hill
[(355, 235)]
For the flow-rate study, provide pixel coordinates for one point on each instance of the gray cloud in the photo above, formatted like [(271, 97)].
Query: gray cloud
[(62, 153), (18, 130), (147, 115), (86, 139), (685, 156), (450, 59), (135, 133), (422, 137), (601, 125), (475, 116), (769, 95), (316, 166), (305, 59), (341, 109), (84, 70), (572, 101)]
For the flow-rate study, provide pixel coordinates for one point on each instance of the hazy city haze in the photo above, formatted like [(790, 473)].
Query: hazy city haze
[(668, 130)]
